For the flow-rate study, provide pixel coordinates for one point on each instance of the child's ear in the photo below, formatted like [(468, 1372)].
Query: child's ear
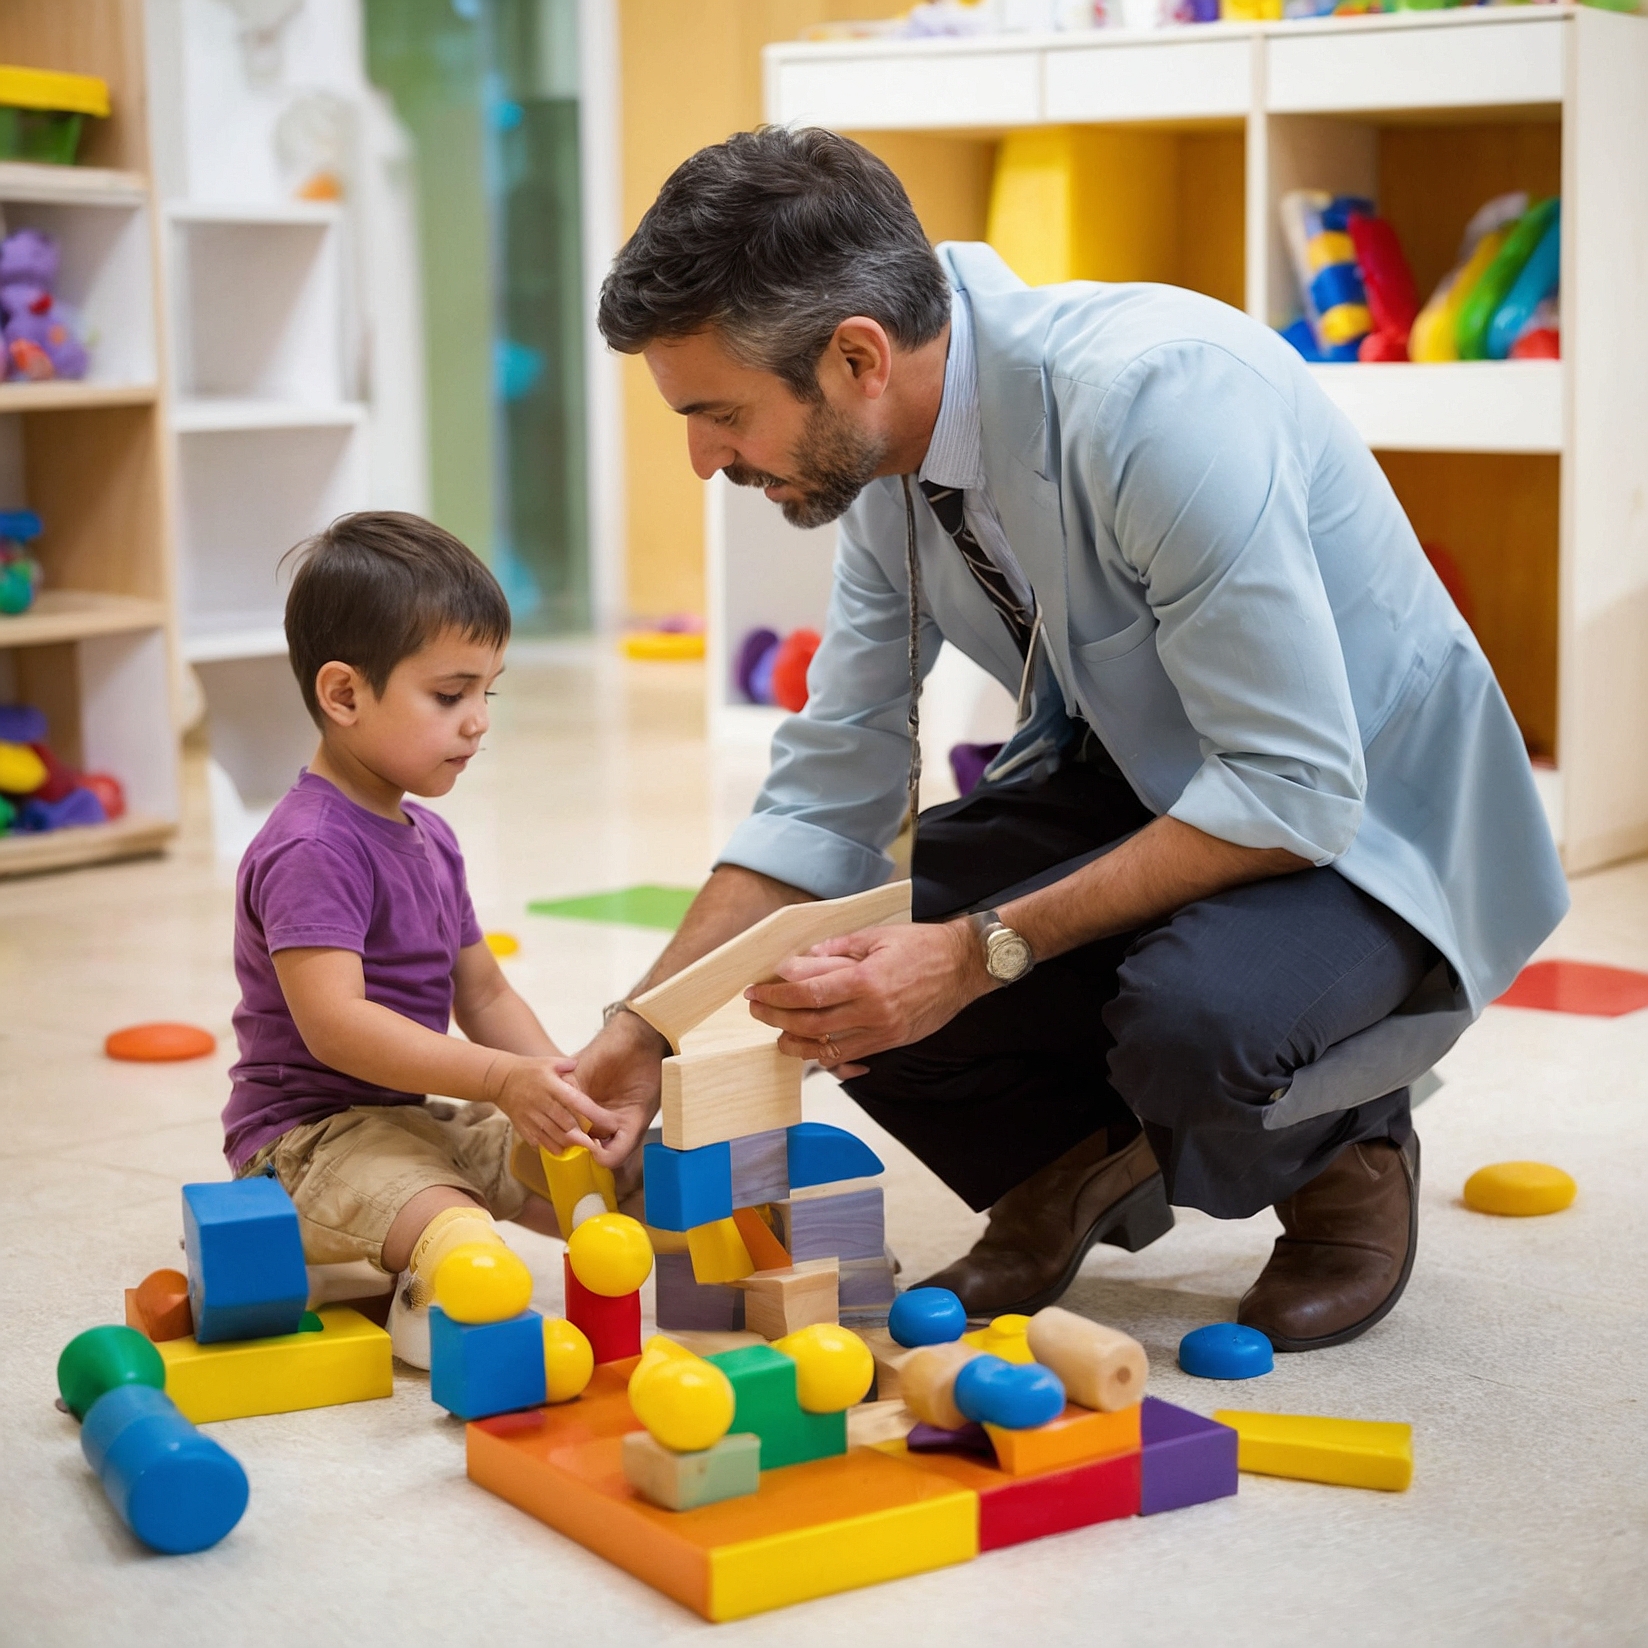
[(338, 692)]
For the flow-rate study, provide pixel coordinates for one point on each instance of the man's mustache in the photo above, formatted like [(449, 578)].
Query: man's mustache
[(743, 475)]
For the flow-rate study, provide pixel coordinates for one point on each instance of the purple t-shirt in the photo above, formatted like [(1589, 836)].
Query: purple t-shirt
[(326, 872)]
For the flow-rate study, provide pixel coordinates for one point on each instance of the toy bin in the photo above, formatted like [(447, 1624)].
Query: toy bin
[(42, 111)]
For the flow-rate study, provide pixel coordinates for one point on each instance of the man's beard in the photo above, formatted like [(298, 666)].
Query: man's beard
[(834, 462)]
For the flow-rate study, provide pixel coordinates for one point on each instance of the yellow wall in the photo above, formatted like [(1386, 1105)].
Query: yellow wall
[(690, 74)]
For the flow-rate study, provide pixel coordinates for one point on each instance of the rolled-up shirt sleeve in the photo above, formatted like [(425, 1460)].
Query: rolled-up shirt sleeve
[(1204, 467), (835, 796)]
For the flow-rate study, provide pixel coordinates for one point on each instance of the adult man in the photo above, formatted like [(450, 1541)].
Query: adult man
[(1266, 832)]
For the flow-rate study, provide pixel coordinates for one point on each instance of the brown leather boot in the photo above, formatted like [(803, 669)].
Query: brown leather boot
[(1345, 1252), (1040, 1231)]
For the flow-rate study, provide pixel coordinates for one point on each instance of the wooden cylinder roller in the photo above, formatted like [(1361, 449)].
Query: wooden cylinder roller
[(927, 1380), (1101, 1367)]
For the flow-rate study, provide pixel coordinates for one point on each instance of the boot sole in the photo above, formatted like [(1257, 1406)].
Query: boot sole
[(1388, 1304), (1134, 1221)]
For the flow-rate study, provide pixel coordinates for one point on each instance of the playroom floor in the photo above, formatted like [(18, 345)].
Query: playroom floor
[(1517, 1354)]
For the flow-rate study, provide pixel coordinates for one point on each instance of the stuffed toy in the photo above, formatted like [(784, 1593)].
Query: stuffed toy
[(39, 334)]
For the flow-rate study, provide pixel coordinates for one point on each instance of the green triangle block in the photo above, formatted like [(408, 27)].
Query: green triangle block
[(646, 906)]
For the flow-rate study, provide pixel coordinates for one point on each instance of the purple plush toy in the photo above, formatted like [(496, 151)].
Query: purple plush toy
[(40, 341)]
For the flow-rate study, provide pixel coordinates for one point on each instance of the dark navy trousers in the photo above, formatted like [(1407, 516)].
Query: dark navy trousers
[(1186, 1027)]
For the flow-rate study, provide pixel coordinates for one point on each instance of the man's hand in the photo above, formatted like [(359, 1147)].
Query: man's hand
[(545, 1108), (619, 1069), (879, 988)]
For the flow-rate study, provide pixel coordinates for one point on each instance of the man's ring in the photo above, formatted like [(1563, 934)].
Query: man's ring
[(832, 1053)]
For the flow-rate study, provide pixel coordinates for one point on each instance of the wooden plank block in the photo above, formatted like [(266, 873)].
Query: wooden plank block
[(849, 1227), (868, 1284), (708, 1098), (1076, 1435), (684, 1481), (678, 1004), (890, 1357), (777, 1302), (879, 1424), (811, 1530), (1351, 1453), (708, 1341), (349, 1360)]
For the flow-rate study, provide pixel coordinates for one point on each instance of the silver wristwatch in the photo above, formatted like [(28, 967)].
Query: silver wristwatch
[(1007, 957)]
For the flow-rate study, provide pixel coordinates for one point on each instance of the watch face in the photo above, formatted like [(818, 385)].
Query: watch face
[(1006, 955)]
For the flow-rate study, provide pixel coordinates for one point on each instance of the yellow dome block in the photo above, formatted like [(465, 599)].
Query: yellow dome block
[(568, 1359), (1006, 1337), (482, 1282), (610, 1254), (685, 1402), (833, 1366), (1519, 1189)]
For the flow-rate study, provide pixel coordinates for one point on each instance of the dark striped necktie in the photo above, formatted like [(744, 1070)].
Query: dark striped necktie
[(947, 505)]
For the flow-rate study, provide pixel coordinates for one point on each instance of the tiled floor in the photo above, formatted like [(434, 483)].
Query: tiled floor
[(1517, 1353)]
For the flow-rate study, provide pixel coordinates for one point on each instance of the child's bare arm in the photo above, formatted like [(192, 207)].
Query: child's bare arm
[(325, 993), (490, 1011)]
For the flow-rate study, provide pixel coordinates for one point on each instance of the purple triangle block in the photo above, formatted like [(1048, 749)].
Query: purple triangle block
[(1187, 1460), (969, 1439)]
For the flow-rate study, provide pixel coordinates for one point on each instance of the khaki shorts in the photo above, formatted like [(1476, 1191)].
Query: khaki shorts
[(351, 1173)]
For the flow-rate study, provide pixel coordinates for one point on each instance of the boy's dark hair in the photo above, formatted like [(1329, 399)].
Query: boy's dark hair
[(775, 237), (377, 586)]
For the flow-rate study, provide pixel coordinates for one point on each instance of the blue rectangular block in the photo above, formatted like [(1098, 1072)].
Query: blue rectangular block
[(477, 1369), (1187, 1460), (245, 1258), (687, 1187)]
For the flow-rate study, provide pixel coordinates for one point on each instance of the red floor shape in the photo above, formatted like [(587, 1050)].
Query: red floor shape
[(1578, 987)]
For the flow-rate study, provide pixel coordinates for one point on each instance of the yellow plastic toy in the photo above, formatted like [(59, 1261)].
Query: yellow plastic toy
[(1520, 1189), (657, 1349), (685, 1402), (22, 772), (482, 1282), (1435, 334), (719, 1253), (571, 1175), (569, 1360), (503, 944), (610, 1254), (1004, 1337), (833, 1366)]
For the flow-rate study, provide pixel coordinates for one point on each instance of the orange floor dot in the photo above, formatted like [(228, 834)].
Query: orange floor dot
[(159, 1043), (1578, 987)]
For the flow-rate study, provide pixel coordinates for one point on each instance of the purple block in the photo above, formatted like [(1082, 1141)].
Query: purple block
[(681, 1301), (925, 1438), (967, 764), (1188, 1460)]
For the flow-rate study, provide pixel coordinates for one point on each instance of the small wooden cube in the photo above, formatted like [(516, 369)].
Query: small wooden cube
[(777, 1302), (682, 1481)]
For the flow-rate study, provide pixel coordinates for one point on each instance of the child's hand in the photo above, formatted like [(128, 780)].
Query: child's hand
[(545, 1108)]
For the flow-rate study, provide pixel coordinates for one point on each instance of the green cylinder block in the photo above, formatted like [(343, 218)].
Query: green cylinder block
[(101, 1358)]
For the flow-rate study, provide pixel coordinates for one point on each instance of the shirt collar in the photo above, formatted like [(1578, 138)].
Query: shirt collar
[(955, 455)]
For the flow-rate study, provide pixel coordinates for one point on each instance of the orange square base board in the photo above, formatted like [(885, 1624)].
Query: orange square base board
[(812, 1530)]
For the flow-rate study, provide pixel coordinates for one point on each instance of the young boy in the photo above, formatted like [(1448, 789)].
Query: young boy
[(356, 943)]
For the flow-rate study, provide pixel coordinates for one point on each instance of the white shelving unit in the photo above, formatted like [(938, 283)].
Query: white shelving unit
[(1321, 104)]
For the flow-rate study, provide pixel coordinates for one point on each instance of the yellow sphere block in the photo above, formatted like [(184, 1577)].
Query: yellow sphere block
[(658, 1349), (22, 772), (610, 1254), (833, 1366), (1519, 1189), (569, 1359), (503, 944), (685, 1402), (482, 1282)]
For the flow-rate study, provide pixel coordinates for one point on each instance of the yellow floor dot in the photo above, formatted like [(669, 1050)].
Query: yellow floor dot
[(1520, 1189), (503, 944)]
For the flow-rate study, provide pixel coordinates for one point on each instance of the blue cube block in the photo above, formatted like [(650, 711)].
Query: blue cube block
[(821, 1154), (477, 1369), (687, 1187), (245, 1256)]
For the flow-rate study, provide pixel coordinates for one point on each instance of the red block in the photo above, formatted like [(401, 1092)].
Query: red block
[(1578, 987), (612, 1326)]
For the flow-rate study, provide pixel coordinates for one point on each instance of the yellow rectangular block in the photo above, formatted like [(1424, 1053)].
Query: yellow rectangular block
[(1350, 1453), (349, 1360), (1076, 1436), (718, 1253)]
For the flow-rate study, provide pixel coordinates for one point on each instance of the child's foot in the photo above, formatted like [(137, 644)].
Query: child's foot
[(408, 1325)]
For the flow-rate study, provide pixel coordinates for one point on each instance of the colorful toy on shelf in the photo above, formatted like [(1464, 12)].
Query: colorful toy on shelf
[(40, 335), (1393, 298), (20, 573), (38, 792), (1535, 282), (770, 670), (671, 640), (1316, 228), (42, 112), (1541, 337), (1435, 333), (1482, 305)]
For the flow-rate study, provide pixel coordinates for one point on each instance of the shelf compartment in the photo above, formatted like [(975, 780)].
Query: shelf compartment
[(1453, 406), (133, 836), (1459, 65), (209, 415), (1149, 78), (74, 614), (936, 86)]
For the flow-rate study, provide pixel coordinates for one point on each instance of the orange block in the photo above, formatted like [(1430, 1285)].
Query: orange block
[(1076, 1435), (766, 1250), (158, 1307), (812, 1530), (160, 1043)]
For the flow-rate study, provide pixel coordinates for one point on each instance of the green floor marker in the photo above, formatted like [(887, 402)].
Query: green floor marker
[(661, 907)]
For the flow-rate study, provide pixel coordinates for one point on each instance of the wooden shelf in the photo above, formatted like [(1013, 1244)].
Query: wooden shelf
[(224, 646), (288, 214), (128, 837), (1454, 406), (209, 415), (60, 395), (71, 185), (73, 614)]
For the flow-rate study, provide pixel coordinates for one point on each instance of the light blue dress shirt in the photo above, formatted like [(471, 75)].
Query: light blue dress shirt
[(1233, 600)]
